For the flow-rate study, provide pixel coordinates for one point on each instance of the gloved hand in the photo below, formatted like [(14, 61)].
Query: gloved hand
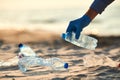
[(77, 25)]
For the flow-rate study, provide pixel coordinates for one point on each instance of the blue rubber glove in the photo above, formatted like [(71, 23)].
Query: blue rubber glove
[(77, 25)]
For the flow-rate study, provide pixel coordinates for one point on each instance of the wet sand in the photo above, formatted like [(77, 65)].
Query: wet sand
[(48, 45)]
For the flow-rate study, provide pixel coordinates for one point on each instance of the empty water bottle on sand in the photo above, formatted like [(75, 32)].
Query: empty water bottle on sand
[(28, 58), (55, 63), (25, 51), (93, 60), (84, 40)]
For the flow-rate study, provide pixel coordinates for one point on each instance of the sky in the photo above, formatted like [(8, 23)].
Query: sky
[(14, 11), (40, 4)]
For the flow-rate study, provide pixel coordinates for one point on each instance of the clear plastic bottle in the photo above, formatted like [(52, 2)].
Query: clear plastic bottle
[(92, 60), (83, 41), (55, 63), (25, 51)]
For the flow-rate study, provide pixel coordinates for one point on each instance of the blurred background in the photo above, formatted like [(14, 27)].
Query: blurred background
[(40, 23), (54, 16)]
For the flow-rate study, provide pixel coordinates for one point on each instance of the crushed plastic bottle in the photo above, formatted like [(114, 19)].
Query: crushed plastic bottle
[(25, 51), (98, 60), (84, 40), (28, 58), (55, 63)]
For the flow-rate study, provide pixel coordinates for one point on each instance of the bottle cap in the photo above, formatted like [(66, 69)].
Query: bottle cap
[(20, 45), (21, 56), (63, 35), (66, 65)]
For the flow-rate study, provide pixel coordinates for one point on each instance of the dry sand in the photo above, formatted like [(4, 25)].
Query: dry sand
[(46, 45)]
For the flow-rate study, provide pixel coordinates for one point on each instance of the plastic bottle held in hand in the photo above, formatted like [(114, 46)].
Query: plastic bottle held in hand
[(55, 63), (25, 51), (83, 41)]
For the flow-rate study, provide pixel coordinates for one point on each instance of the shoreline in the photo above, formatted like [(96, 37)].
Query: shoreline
[(25, 36)]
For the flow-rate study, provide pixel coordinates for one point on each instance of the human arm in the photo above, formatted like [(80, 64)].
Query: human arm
[(97, 7)]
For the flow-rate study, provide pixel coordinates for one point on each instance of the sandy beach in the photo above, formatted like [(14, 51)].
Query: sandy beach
[(40, 23), (51, 45)]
